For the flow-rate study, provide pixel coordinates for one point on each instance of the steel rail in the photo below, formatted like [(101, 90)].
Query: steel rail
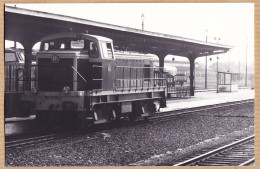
[(61, 145), (213, 152), (15, 143), (248, 162), (197, 109)]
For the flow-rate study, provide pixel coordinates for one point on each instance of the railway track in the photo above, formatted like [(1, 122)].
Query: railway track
[(176, 113), (37, 140), (62, 145), (238, 153), (30, 140), (158, 116)]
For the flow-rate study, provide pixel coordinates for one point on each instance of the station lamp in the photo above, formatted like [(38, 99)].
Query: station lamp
[(142, 21)]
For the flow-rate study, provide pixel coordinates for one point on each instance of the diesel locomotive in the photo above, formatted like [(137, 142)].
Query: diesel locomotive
[(79, 77)]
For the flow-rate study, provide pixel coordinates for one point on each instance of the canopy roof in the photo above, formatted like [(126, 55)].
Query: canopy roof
[(28, 25)]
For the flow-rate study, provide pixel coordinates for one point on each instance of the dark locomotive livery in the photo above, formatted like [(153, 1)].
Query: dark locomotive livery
[(78, 76)]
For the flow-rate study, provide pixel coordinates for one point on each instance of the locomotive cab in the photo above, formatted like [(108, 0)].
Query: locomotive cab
[(72, 61)]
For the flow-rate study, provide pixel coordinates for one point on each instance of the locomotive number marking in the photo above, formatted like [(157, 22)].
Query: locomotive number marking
[(55, 58), (109, 68)]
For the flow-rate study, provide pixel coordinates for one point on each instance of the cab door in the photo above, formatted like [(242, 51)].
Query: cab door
[(108, 64)]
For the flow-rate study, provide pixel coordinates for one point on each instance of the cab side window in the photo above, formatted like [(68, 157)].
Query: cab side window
[(46, 46), (107, 50), (93, 50)]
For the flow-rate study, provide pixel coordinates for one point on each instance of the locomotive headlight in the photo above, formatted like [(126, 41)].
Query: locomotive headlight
[(34, 90), (66, 90), (80, 93)]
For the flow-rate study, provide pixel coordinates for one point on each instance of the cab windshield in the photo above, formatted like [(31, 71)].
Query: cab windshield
[(87, 46)]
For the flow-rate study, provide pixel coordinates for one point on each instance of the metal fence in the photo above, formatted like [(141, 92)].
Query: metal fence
[(13, 75)]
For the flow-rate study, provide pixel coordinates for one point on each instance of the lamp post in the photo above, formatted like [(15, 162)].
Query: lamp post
[(246, 65), (206, 63), (217, 40), (217, 73), (239, 70), (142, 21)]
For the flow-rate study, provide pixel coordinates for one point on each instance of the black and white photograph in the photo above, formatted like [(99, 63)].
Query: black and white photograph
[(129, 84)]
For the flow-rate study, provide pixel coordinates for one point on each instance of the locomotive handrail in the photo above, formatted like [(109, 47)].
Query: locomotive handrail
[(167, 82), (136, 67), (144, 78), (132, 82), (79, 74)]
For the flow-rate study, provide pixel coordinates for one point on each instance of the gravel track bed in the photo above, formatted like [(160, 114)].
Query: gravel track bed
[(136, 142)]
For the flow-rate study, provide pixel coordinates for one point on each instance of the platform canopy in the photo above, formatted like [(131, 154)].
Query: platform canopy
[(23, 25)]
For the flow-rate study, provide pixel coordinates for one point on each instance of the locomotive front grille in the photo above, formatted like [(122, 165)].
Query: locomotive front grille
[(55, 76)]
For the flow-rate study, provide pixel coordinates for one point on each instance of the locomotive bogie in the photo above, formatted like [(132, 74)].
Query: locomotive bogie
[(104, 113)]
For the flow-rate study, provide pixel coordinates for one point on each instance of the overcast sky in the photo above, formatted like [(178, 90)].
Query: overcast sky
[(233, 23)]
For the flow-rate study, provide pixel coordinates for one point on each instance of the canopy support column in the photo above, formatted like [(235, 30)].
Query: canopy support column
[(161, 61), (192, 79), (161, 56), (27, 65)]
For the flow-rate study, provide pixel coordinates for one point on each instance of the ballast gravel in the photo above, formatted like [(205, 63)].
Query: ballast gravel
[(148, 143)]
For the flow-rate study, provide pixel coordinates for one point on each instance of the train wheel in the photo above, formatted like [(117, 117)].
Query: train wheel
[(146, 119), (85, 121), (116, 112), (157, 106), (55, 120), (107, 114), (163, 103), (132, 117), (25, 109), (69, 120), (87, 126), (51, 121), (136, 111), (41, 117), (83, 125)]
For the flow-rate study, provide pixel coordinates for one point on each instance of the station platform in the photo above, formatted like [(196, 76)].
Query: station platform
[(208, 98), (200, 99)]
